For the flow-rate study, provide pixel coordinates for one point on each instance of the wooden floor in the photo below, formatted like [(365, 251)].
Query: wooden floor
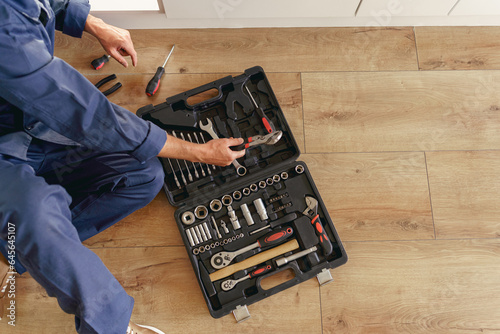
[(401, 130)]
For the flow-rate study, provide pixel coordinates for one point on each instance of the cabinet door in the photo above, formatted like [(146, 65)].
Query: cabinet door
[(384, 8), (477, 7), (231, 9)]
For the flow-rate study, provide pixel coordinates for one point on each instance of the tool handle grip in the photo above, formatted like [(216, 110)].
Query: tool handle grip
[(267, 125), (275, 237), (325, 243), (260, 271), (98, 63), (154, 83)]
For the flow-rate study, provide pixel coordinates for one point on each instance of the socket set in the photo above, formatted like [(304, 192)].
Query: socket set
[(258, 217)]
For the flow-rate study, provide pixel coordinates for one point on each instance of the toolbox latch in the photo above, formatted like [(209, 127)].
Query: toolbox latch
[(324, 277), (241, 313)]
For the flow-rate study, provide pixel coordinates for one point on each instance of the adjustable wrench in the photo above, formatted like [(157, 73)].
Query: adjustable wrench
[(269, 139), (312, 212), (223, 259), (240, 170)]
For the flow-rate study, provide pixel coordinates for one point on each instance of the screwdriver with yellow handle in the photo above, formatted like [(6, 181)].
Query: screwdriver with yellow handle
[(154, 83)]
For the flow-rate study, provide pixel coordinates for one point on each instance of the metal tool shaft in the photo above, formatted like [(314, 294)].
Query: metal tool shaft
[(170, 53)]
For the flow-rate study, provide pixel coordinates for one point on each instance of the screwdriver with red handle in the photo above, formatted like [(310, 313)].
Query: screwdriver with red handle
[(98, 63), (154, 83), (265, 120)]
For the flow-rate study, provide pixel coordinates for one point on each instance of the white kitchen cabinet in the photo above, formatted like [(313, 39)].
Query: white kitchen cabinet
[(376, 8), (239, 9), (477, 7)]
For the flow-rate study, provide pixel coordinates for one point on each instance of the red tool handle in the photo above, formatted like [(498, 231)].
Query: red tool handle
[(275, 237), (260, 271), (267, 125), (325, 243), (154, 83), (98, 63)]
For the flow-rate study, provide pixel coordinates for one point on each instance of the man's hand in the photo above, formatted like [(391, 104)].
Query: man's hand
[(215, 152), (115, 41)]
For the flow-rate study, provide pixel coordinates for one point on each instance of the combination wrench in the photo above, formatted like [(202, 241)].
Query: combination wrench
[(240, 170)]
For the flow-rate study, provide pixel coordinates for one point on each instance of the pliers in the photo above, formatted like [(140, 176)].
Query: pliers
[(106, 80), (269, 139)]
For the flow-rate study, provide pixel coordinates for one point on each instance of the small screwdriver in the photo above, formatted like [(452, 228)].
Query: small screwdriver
[(98, 63), (154, 83)]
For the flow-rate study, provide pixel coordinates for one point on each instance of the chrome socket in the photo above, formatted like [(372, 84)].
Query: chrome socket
[(247, 214), (215, 205), (261, 209), (269, 181), (237, 195), (254, 188), (187, 218), (299, 169), (262, 184), (201, 212), (246, 191), (276, 178), (227, 200), (284, 175)]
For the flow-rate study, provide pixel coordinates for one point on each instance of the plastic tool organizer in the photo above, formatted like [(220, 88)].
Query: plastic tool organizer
[(240, 228)]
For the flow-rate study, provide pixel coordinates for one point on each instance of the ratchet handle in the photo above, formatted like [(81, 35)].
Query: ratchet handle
[(260, 271), (275, 237), (323, 238)]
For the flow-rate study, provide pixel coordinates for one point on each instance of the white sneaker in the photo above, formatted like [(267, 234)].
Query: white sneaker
[(140, 329)]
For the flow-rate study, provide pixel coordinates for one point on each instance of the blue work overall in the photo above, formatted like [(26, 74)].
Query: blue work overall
[(71, 164)]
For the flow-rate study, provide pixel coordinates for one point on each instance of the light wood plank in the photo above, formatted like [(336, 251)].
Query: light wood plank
[(374, 196), (465, 188), (415, 287), (153, 225), (167, 295), (458, 48), (276, 50), (401, 111)]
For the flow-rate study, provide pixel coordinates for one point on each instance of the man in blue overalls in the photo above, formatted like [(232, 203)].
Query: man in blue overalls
[(71, 163)]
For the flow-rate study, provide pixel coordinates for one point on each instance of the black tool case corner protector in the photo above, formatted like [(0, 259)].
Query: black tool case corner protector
[(262, 215)]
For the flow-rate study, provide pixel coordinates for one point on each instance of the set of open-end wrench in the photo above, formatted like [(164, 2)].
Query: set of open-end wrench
[(255, 218)]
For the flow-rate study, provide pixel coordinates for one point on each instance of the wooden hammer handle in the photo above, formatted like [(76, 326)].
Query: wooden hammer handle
[(255, 260)]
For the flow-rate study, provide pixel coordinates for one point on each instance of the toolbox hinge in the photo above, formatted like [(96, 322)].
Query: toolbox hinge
[(324, 277), (241, 313)]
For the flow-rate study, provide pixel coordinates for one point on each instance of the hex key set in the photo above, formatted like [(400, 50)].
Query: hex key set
[(255, 218)]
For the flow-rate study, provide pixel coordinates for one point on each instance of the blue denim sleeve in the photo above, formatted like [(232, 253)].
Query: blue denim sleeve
[(53, 92), (71, 15)]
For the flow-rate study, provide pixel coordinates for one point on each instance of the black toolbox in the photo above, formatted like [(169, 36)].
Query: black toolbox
[(241, 226)]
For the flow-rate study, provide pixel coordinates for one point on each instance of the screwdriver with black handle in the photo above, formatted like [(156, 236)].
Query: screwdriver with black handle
[(154, 83)]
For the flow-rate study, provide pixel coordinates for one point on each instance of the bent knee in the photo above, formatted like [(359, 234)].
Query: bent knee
[(26, 195)]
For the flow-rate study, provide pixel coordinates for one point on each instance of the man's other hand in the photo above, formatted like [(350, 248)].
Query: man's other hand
[(116, 41)]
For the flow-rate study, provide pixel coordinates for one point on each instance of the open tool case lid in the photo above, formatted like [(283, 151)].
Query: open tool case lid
[(233, 114)]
